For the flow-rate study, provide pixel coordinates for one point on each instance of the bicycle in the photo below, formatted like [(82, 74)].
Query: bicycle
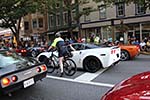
[(69, 65)]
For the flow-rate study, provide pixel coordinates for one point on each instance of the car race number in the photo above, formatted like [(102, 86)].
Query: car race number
[(28, 83)]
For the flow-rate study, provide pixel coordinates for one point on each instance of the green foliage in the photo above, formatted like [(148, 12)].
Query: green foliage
[(12, 11)]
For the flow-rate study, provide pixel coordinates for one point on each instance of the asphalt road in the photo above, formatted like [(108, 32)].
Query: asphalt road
[(83, 85)]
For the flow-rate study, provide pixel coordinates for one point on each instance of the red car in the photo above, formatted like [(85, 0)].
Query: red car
[(136, 87), (22, 51), (30, 51)]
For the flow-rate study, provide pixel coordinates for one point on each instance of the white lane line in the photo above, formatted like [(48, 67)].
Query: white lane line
[(81, 82), (89, 76)]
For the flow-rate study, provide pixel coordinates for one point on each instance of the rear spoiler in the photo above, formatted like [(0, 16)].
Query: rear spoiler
[(115, 47)]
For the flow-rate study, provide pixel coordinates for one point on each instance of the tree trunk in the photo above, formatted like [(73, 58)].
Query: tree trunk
[(70, 23)]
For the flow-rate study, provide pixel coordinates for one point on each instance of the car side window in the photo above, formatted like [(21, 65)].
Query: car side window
[(75, 46), (86, 47), (78, 46), (82, 47)]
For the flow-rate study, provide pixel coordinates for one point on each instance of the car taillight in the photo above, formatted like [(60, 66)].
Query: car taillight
[(23, 50), (14, 78), (6, 81), (38, 69), (43, 68)]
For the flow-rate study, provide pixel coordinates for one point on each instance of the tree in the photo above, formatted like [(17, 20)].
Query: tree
[(50, 6), (12, 11)]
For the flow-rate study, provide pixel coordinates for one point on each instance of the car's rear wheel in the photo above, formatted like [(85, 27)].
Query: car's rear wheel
[(124, 55), (91, 64), (48, 62)]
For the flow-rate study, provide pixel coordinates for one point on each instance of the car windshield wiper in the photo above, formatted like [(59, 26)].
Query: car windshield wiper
[(21, 64)]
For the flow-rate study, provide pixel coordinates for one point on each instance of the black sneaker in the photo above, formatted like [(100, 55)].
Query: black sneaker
[(61, 74)]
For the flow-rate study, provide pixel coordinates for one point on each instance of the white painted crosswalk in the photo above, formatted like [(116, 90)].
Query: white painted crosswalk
[(89, 76), (85, 78)]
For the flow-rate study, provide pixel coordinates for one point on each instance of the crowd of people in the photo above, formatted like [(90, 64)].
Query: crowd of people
[(95, 39), (144, 44)]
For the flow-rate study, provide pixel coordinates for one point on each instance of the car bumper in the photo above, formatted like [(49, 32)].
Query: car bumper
[(19, 85)]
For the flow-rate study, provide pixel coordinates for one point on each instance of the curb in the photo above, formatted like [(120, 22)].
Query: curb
[(145, 53)]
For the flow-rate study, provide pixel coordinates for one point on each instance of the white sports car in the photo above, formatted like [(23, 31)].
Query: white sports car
[(90, 57)]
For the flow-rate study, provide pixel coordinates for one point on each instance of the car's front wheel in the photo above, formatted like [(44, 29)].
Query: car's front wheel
[(91, 64), (33, 53), (124, 55)]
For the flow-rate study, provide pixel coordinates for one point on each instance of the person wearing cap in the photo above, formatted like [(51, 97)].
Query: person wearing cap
[(59, 43)]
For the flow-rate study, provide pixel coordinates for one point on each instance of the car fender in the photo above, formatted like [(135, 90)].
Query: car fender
[(46, 54), (89, 53)]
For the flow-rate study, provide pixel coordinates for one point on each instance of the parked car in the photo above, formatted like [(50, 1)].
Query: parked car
[(30, 51), (136, 87), (17, 72), (21, 51), (129, 52), (89, 56), (34, 51)]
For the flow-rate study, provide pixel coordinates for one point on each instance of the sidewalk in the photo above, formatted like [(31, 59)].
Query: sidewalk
[(145, 53)]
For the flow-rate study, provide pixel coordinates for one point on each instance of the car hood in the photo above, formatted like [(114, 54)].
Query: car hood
[(136, 87)]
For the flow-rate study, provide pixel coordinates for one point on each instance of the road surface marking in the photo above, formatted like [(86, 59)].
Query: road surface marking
[(82, 82), (89, 76)]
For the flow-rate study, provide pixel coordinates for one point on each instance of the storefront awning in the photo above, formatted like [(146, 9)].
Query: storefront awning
[(7, 31)]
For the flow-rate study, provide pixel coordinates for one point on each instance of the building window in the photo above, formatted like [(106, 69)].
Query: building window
[(57, 5), (139, 9), (26, 25), (58, 19), (34, 23), (73, 17), (40, 20), (65, 18), (86, 14), (102, 11), (51, 21), (120, 9)]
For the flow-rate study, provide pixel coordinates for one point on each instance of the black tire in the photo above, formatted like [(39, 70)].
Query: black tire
[(124, 55), (52, 63), (70, 67), (148, 49), (33, 53), (91, 64), (48, 62)]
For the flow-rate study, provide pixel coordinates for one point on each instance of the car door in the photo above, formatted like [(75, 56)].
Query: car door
[(77, 55)]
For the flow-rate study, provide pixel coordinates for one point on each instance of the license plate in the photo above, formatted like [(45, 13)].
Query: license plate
[(28, 83)]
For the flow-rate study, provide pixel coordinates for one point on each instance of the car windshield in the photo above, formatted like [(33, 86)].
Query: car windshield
[(8, 58)]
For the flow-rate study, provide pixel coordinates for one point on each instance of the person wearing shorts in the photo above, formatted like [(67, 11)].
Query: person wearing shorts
[(60, 45)]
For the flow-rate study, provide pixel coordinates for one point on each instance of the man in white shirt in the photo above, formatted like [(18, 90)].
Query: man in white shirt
[(142, 45)]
